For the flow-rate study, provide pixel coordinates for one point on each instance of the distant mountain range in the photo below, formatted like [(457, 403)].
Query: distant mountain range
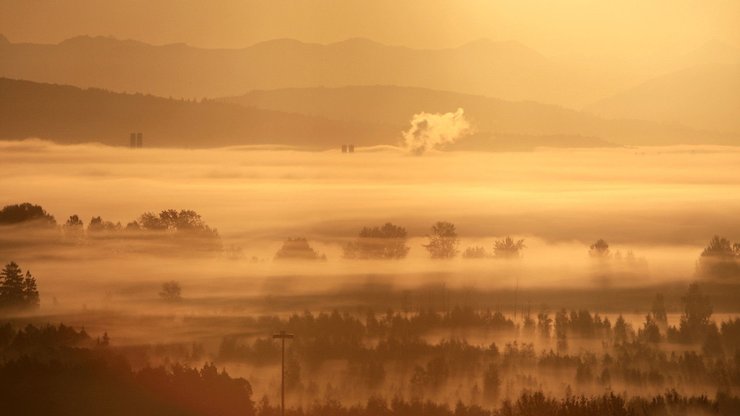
[(360, 89), (704, 96), (508, 70)]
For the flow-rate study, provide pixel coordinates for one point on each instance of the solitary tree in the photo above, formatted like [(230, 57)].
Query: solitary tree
[(171, 291), (620, 330), (491, 382), (443, 241), (650, 331), (658, 311), (544, 323), (74, 228), (30, 292), (599, 249), (297, 249), (697, 311), (508, 248), (561, 330)]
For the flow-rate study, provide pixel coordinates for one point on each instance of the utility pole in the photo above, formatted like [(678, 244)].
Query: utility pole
[(282, 335)]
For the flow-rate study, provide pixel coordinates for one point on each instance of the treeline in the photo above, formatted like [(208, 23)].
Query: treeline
[(78, 375), (380, 348), (346, 333), (721, 258), (337, 335), (57, 370), (529, 403), (185, 229)]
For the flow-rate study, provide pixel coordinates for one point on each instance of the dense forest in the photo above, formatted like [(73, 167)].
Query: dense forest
[(640, 371)]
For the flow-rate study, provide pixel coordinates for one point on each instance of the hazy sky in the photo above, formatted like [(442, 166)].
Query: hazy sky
[(622, 28)]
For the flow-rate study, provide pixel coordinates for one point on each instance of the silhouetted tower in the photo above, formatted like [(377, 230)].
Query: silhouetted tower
[(344, 148), (282, 335), (133, 140), (351, 148), (139, 140)]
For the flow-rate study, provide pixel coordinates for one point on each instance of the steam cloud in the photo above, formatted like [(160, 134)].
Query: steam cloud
[(431, 130)]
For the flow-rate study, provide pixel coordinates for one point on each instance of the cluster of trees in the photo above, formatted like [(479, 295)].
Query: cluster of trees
[(169, 220), (695, 325), (185, 228), (720, 258), (26, 214), (18, 291), (506, 248), (385, 242)]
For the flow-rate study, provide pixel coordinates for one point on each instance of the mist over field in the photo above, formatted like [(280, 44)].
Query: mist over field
[(662, 204)]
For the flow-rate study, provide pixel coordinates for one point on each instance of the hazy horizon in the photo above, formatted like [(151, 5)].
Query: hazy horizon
[(551, 29)]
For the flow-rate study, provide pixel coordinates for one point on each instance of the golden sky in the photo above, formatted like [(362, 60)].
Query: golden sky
[(563, 27)]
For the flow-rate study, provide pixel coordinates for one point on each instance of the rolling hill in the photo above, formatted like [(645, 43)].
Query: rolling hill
[(68, 114), (705, 97)]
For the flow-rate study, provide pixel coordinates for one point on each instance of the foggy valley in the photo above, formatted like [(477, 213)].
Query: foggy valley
[(372, 217)]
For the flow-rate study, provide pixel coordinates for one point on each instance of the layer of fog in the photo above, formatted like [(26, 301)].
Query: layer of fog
[(663, 204)]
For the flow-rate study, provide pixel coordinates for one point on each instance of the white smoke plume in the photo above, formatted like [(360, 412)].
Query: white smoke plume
[(432, 130)]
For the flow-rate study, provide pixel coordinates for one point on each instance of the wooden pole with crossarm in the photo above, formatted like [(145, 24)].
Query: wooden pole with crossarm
[(282, 335)]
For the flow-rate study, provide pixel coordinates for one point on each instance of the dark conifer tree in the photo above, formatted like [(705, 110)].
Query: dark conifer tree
[(17, 291), (30, 292), (12, 293)]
